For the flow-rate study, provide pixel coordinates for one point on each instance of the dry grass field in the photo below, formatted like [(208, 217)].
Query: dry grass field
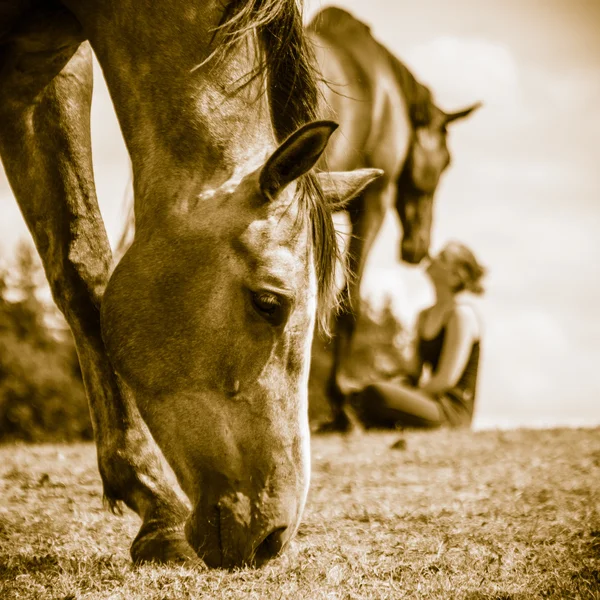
[(445, 514)]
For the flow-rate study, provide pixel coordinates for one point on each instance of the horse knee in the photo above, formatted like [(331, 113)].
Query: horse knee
[(132, 472)]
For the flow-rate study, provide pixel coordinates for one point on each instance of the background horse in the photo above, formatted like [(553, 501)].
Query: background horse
[(387, 120), (200, 338)]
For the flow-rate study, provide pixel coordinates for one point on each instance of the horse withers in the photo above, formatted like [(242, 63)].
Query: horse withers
[(199, 342), (387, 120)]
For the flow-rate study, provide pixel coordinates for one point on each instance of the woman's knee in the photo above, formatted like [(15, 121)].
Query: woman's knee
[(396, 403)]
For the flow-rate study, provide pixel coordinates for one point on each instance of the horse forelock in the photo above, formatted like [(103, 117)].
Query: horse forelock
[(288, 66), (326, 249)]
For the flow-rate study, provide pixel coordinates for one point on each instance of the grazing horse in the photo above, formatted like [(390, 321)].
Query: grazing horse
[(197, 345), (387, 120)]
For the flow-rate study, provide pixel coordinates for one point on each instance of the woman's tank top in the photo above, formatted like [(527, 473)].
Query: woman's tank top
[(459, 401)]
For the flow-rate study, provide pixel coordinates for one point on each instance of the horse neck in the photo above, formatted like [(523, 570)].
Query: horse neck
[(185, 126)]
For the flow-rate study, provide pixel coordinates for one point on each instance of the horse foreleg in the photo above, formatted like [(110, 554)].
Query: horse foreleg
[(45, 148), (366, 216)]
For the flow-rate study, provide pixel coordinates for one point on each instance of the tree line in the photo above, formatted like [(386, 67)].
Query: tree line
[(42, 398)]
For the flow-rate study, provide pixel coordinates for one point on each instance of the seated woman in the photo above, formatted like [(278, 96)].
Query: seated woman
[(446, 345)]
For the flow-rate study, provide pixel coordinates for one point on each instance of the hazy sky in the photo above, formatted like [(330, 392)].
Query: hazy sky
[(523, 189)]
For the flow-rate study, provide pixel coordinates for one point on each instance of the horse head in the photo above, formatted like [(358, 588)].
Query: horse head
[(428, 157), (208, 321)]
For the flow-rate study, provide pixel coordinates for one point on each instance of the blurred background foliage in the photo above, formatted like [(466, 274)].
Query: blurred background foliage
[(42, 397), (381, 349)]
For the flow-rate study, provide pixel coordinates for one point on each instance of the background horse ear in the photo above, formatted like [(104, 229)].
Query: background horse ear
[(295, 157), (341, 186), (461, 114)]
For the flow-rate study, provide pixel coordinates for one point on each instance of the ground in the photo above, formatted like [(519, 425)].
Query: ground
[(444, 514)]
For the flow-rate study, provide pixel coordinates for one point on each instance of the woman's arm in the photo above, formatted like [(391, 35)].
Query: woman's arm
[(413, 367), (461, 331)]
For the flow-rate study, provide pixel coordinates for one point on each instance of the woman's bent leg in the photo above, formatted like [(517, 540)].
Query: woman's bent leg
[(387, 404)]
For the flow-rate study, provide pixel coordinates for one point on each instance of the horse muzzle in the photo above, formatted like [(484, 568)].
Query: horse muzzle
[(414, 250), (238, 532)]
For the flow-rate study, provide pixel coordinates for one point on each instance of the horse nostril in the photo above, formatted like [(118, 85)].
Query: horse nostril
[(408, 253), (271, 546)]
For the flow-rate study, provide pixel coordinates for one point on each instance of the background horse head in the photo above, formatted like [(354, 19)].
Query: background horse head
[(427, 158)]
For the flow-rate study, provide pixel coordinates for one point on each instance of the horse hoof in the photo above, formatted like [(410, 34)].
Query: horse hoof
[(333, 427), (341, 424), (163, 546)]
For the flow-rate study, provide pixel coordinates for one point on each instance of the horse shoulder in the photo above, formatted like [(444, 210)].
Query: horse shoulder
[(346, 99), (372, 108)]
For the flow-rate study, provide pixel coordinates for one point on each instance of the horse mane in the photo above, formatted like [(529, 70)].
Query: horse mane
[(288, 66), (419, 99)]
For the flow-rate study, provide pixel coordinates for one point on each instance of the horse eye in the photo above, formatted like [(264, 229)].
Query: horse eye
[(270, 306)]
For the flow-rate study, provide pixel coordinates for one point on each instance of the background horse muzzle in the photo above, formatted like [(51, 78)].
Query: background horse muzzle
[(415, 248)]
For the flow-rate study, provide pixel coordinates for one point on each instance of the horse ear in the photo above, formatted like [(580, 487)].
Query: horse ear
[(341, 186), (295, 157), (461, 114)]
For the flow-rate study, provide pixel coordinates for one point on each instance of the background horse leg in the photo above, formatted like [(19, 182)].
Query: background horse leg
[(366, 212), (45, 148)]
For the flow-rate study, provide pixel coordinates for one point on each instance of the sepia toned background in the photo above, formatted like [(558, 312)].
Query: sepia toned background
[(523, 189)]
